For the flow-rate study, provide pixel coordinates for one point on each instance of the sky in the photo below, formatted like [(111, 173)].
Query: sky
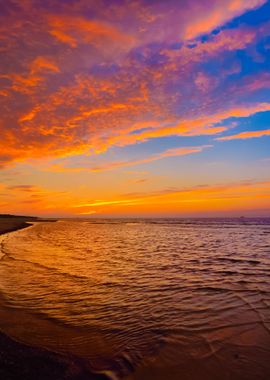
[(129, 108)]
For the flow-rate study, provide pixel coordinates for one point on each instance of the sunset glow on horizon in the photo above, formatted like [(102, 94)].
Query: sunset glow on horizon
[(129, 108)]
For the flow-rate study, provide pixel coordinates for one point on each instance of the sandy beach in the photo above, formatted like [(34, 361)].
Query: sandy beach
[(19, 361), (9, 224)]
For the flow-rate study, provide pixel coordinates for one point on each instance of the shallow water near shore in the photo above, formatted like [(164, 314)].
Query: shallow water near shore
[(144, 299)]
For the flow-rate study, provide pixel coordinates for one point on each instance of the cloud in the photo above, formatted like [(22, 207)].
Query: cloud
[(167, 153), (41, 64), (108, 203), (204, 82), (76, 30), (199, 197), (190, 18), (205, 19), (79, 82), (88, 212), (138, 181), (18, 199), (175, 152), (75, 137), (252, 83), (246, 135), (26, 188), (196, 126)]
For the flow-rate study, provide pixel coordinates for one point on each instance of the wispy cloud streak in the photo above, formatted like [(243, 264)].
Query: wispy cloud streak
[(246, 135)]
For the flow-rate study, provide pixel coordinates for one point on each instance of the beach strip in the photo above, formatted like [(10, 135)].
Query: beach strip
[(19, 361), (9, 224)]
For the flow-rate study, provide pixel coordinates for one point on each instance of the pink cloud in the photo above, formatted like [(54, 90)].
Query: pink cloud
[(71, 84), (246, 135), (205, 19), (76, 30)]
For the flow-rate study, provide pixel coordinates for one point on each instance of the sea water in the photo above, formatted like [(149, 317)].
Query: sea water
[(145, 298)]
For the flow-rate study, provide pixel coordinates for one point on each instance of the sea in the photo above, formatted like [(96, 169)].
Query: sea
[(176, 299)]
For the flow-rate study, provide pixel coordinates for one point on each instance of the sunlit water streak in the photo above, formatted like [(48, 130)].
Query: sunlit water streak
[(145, 299)]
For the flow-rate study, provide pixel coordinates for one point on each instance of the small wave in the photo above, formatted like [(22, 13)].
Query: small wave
[(46, 268), (132, 289), (234, 260)]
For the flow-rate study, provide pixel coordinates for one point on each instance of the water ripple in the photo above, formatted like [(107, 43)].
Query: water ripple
[(145, 299)]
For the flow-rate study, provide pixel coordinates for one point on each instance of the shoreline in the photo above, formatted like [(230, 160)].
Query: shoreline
[(18, 360), (16, 227), (11, 224)]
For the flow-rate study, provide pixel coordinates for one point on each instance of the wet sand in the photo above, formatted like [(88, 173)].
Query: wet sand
[(13, 224), (19, 361), (10, 223)]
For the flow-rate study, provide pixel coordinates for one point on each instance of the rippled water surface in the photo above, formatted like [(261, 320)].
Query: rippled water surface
[(144, 299)]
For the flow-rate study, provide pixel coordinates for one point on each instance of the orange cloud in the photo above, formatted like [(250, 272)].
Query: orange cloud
[(167, 153), (75, 30), (26, 188), (193, 127), (222, 197), (26, 84), (119, 164), (31, 80), (60, 101), (108, 203), (64, 38), (246, 135), (41, 64), (96, 130), (205, 20), (17, 198)]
